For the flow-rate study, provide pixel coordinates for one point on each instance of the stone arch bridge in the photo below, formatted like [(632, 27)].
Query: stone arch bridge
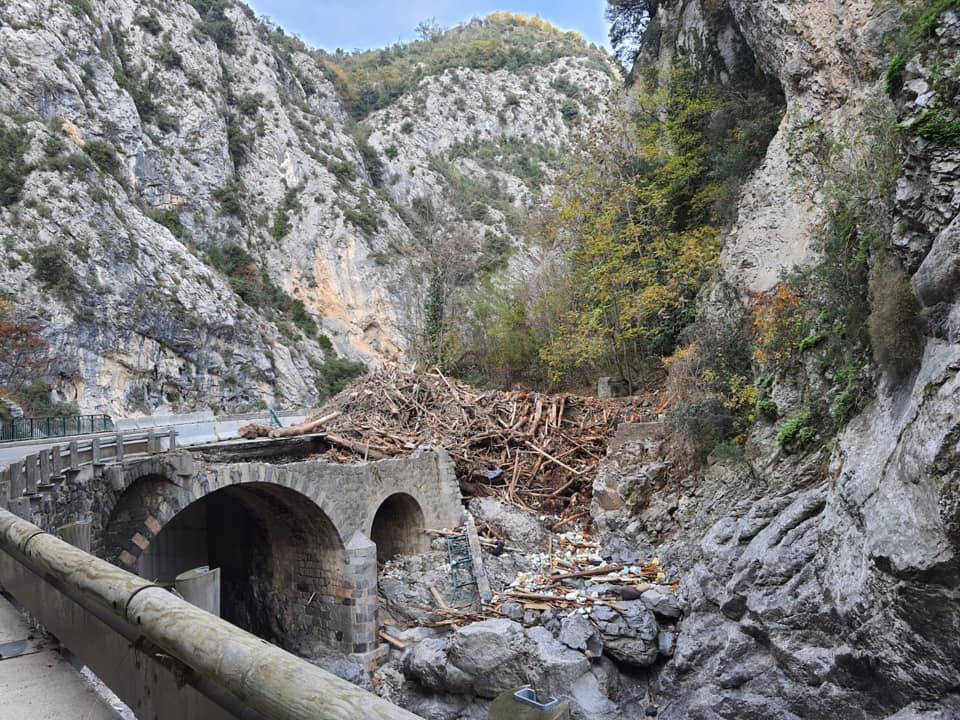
[(297, 541)]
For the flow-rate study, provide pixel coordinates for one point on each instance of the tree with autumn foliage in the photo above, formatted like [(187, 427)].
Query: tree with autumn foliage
[(23, 351), (645, 214), (24, 362)]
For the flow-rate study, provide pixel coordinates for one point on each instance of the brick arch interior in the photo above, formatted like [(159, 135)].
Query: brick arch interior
[(398, 527), (280, 557)]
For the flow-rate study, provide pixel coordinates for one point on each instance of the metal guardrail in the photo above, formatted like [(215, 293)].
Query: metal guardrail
[(25, 428), (164, 657)]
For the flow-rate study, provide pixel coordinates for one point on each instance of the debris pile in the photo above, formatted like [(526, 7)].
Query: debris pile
[(536, 451), (570, 578), (576, 578)]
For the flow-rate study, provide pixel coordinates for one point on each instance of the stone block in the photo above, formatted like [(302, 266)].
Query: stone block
[(608, 387)]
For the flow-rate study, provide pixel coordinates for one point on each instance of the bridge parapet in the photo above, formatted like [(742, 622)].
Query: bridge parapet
[(27, 483), (162, 656), (299, 541)]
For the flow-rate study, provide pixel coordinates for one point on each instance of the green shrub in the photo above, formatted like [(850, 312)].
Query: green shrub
[(215, 24), (303, 320), (342, 170), (170, 219), (83, 7), (937, 126), (230, 259), (104, 156), (249, 103), (168, 57), (797, 431), (371, 161), (230, 197), (239, 143), (893, 78), (141, 93), (478, 211), (53, 146), (923, 28), (335, 373), (563, 84), (324, 342), (811, 341), (36, 402), (13, 168), (392, 152), (149, 23), (570, 112), (281, 221), (767, 407), (494, 252), (895, 325), (364, 216), (54, 272), (77, 163)]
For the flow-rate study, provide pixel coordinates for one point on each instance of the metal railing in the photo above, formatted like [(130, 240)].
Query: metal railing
[(25, 428)]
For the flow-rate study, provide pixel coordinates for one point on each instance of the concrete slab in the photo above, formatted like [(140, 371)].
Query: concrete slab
[(42, 685)]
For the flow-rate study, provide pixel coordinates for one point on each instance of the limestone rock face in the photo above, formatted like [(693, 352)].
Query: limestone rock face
[(824, 585), (826, 57), (157, 142)]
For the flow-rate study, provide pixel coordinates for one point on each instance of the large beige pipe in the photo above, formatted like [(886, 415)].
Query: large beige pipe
[(269, 680)]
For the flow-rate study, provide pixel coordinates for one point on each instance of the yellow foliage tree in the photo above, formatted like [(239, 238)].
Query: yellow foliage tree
[(641, 215)]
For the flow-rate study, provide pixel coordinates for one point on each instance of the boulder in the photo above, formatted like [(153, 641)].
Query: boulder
[(489, 655), (512, 611), (577, 632), (427, 663), (663, 601), (521, 528), (595, 694), (487, 658), (552, 667), (630, 635)]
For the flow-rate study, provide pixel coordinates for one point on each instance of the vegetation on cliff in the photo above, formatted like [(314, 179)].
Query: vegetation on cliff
[(639, 224), (372, 79)]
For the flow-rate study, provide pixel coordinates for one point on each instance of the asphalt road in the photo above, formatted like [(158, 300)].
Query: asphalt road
[(193, 429)]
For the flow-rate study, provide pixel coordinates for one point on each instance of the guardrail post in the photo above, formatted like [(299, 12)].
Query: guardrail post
[(118, 453), (33, 469), (95, 452), (4, 487), (44, 467), (56, 461), (74, 456), (17, 480), (173, 439), (153, 443)]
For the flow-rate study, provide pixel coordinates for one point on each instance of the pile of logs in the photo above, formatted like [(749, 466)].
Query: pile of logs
[(536, 451)]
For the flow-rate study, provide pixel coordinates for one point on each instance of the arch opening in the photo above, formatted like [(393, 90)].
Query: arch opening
[(398, 528), (280, 557)]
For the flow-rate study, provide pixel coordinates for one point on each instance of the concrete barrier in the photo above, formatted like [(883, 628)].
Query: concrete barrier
[(127, 630)]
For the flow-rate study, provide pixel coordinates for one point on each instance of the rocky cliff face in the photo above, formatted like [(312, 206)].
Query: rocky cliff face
[(823, 585), (201, 223)]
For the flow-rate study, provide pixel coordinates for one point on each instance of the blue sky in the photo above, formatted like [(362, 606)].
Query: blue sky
[(366, 24)]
